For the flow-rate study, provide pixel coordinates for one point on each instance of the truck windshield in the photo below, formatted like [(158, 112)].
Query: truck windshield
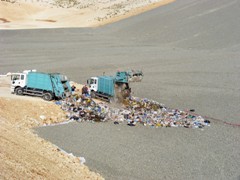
[(92, 81), (15, 77)]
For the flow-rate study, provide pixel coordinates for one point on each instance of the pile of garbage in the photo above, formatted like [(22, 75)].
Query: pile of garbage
[(132, 111)]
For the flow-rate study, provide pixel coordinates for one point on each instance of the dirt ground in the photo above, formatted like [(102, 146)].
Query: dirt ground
[(26, 14), (23, 153)]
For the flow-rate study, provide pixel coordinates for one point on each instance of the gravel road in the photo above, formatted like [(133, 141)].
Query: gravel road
[(190, 53)]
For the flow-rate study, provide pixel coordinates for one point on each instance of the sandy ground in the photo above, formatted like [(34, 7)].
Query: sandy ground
[(23, 153), (52, 14)]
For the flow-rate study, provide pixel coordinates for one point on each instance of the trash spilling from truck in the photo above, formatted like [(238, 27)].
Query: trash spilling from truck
[(110, 88), (133, 111), (135, 75)]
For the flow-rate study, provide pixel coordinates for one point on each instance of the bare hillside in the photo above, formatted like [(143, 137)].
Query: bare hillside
[(24, 154), (28, 14)]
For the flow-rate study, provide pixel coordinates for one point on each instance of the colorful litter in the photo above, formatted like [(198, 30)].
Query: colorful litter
[(133, 111)]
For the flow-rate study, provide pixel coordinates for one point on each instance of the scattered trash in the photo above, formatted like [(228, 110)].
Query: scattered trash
[(58, 102), (135, 75), (82, 160), (207, 121), (131, 124), (42, 117), (134, 111)]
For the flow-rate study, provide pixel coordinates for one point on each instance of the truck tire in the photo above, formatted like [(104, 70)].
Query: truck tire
[(19, 91), (47, 96)]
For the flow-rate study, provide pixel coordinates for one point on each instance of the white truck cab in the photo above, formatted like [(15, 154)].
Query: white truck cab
[(19, 79), (93, 84)]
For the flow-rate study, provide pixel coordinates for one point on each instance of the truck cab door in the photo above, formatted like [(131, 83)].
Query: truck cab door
[(93, 84), (18, 80)]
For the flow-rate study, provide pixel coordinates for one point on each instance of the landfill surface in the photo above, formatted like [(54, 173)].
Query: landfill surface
[(189, 52), (132, 110)]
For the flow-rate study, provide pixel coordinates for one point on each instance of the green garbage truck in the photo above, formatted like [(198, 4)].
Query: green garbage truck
[(110, 88), (46, 85)]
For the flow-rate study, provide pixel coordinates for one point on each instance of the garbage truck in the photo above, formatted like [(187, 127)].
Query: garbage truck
[(110, 88), (46, 85)]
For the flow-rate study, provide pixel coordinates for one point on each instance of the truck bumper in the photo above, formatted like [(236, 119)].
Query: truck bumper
[(12, 90)]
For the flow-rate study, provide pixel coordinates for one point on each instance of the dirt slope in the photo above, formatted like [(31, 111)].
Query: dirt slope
[(22, 153), (28, 14)]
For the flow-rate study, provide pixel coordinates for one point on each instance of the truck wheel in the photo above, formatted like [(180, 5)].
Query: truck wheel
[(19, 91), (47, 96)]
